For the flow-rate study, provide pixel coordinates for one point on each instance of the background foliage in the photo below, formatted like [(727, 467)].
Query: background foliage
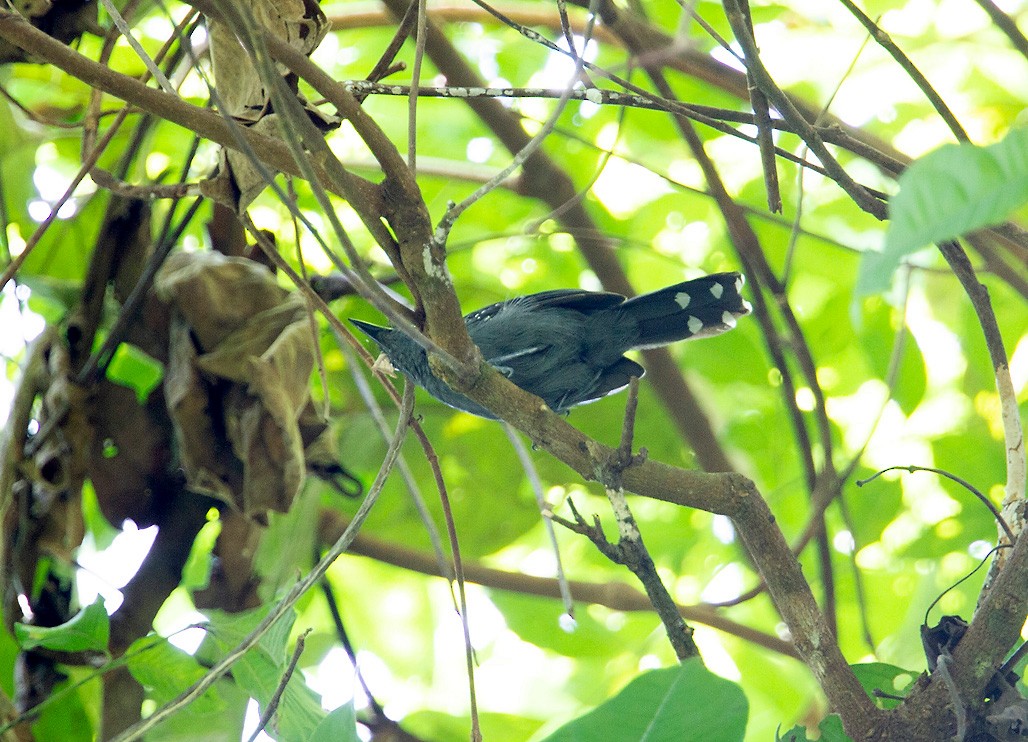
[(900, 361)]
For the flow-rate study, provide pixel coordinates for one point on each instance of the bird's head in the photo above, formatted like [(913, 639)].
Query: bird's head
[(404, 354)]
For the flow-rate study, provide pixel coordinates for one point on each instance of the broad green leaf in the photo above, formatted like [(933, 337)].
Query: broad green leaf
[(99, 527), (954, 190), (71, 714), (90, 628), (496, 727), (678, 703), (197, 570), (339, 726), (135, 369), (162, 668), (165, 671), (881, 676), (829, 730), (261, 669), (536, 620)]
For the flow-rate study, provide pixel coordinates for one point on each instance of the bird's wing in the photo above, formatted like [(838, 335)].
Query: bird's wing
[(576, 299), (616, 376), (503, 361)]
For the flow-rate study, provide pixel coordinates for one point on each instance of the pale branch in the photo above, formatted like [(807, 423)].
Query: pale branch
[(718, 119), (630, 549), (1013, 432), (532, 475)]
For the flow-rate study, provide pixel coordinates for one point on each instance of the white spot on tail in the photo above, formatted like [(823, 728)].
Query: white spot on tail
[(747, 306), (728, 319), (717, 289), (682, 299), (695, 325), (739, 283)]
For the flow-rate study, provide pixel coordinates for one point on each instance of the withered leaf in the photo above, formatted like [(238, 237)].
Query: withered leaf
[(302, 25), (238, 380)]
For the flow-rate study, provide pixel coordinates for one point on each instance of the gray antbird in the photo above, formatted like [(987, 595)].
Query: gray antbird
[(566, 346)]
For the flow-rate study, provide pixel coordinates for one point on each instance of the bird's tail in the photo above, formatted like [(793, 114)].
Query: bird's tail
[(692, 309)]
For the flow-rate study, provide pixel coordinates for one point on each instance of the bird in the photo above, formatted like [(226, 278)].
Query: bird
[(567, 346)]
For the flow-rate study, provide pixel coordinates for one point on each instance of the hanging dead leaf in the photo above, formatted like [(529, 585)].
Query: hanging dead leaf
[(238, 380), (302, 25)]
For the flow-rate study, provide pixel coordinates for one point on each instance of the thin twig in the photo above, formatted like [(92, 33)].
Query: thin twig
[(605, 155), (415, 83), (458, 569), (276, 697), (886, 42), (545, 510), (442, 231), (1007, 25), (691, 11), (762, 79), (37, 235), (385, 62), (762, 117), (962, 482), (800, 172), (409, 480), (628, 426), (126, 32), (616, 595), (344, 640)]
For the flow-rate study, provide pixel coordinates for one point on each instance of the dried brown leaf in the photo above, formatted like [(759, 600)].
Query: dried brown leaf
[(239, 392)]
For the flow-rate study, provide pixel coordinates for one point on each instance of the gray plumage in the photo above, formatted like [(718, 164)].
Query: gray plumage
[(567, 346)]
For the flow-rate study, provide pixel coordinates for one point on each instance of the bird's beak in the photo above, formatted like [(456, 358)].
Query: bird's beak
[(372, 331), (382, 363)]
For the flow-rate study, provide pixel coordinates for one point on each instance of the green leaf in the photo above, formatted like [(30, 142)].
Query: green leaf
[(92, 516), (165, 671), (881, 676), (951, 191), (90, 628), (339, 726), (678, 703), (496, 727), (260, 671), (197, 570), (135, 369), (829, 730), (162, 668), (69, 714)]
